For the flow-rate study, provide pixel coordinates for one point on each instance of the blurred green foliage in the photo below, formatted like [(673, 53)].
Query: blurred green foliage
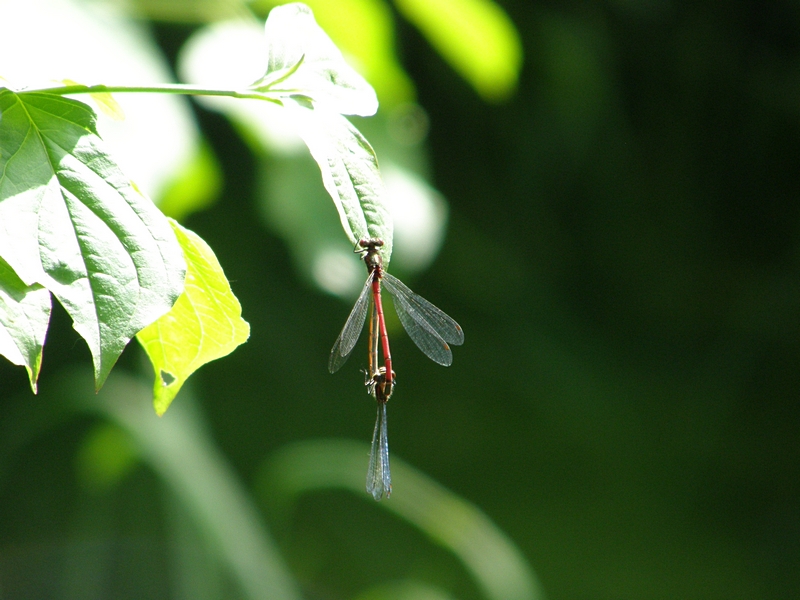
[(624, 256)]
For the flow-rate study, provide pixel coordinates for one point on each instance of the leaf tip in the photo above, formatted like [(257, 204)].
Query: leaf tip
[(102, 371), (33, 376)]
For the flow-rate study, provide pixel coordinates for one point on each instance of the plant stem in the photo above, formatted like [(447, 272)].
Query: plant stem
[(163, 88)]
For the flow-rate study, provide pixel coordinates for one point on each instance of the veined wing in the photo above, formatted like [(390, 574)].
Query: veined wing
[(347, 339), (430, 328), (379, 477)]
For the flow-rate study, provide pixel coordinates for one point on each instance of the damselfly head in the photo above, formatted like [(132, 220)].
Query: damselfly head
[(372, 257)]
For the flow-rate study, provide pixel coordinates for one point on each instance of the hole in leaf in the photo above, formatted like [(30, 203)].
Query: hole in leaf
[(167, 378)]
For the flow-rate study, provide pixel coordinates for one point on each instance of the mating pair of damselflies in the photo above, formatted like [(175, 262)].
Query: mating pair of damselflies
[(430, 329)]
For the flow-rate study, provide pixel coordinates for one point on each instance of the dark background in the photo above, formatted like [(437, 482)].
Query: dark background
[(623, 254)]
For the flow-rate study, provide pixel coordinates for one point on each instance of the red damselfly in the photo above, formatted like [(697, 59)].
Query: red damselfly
[(431, 330)]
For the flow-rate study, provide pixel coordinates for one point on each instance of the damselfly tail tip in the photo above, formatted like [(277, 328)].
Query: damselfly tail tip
[(378, 492)]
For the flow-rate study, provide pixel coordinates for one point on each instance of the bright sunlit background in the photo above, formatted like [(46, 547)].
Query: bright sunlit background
[(603, 194)]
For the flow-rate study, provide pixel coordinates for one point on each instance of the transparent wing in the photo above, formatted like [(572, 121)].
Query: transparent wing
[(444, 326), (379, 477), (347, 339), (429, 328)]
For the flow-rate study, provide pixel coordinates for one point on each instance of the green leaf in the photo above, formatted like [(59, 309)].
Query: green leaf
[(364, 31), (24, 317), (73, 223), (303, 61), (317, 87), (308, 77), (476, 37), (349, 172), (205, 323)]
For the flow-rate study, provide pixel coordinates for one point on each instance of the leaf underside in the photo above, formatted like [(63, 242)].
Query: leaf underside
[(350, 173), (317, 87)]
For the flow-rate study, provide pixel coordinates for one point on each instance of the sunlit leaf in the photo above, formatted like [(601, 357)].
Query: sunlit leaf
[(205, 323), (303, 61), (364, 31), (73, 223), (91, 43), (475, 36), (24, 317)]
